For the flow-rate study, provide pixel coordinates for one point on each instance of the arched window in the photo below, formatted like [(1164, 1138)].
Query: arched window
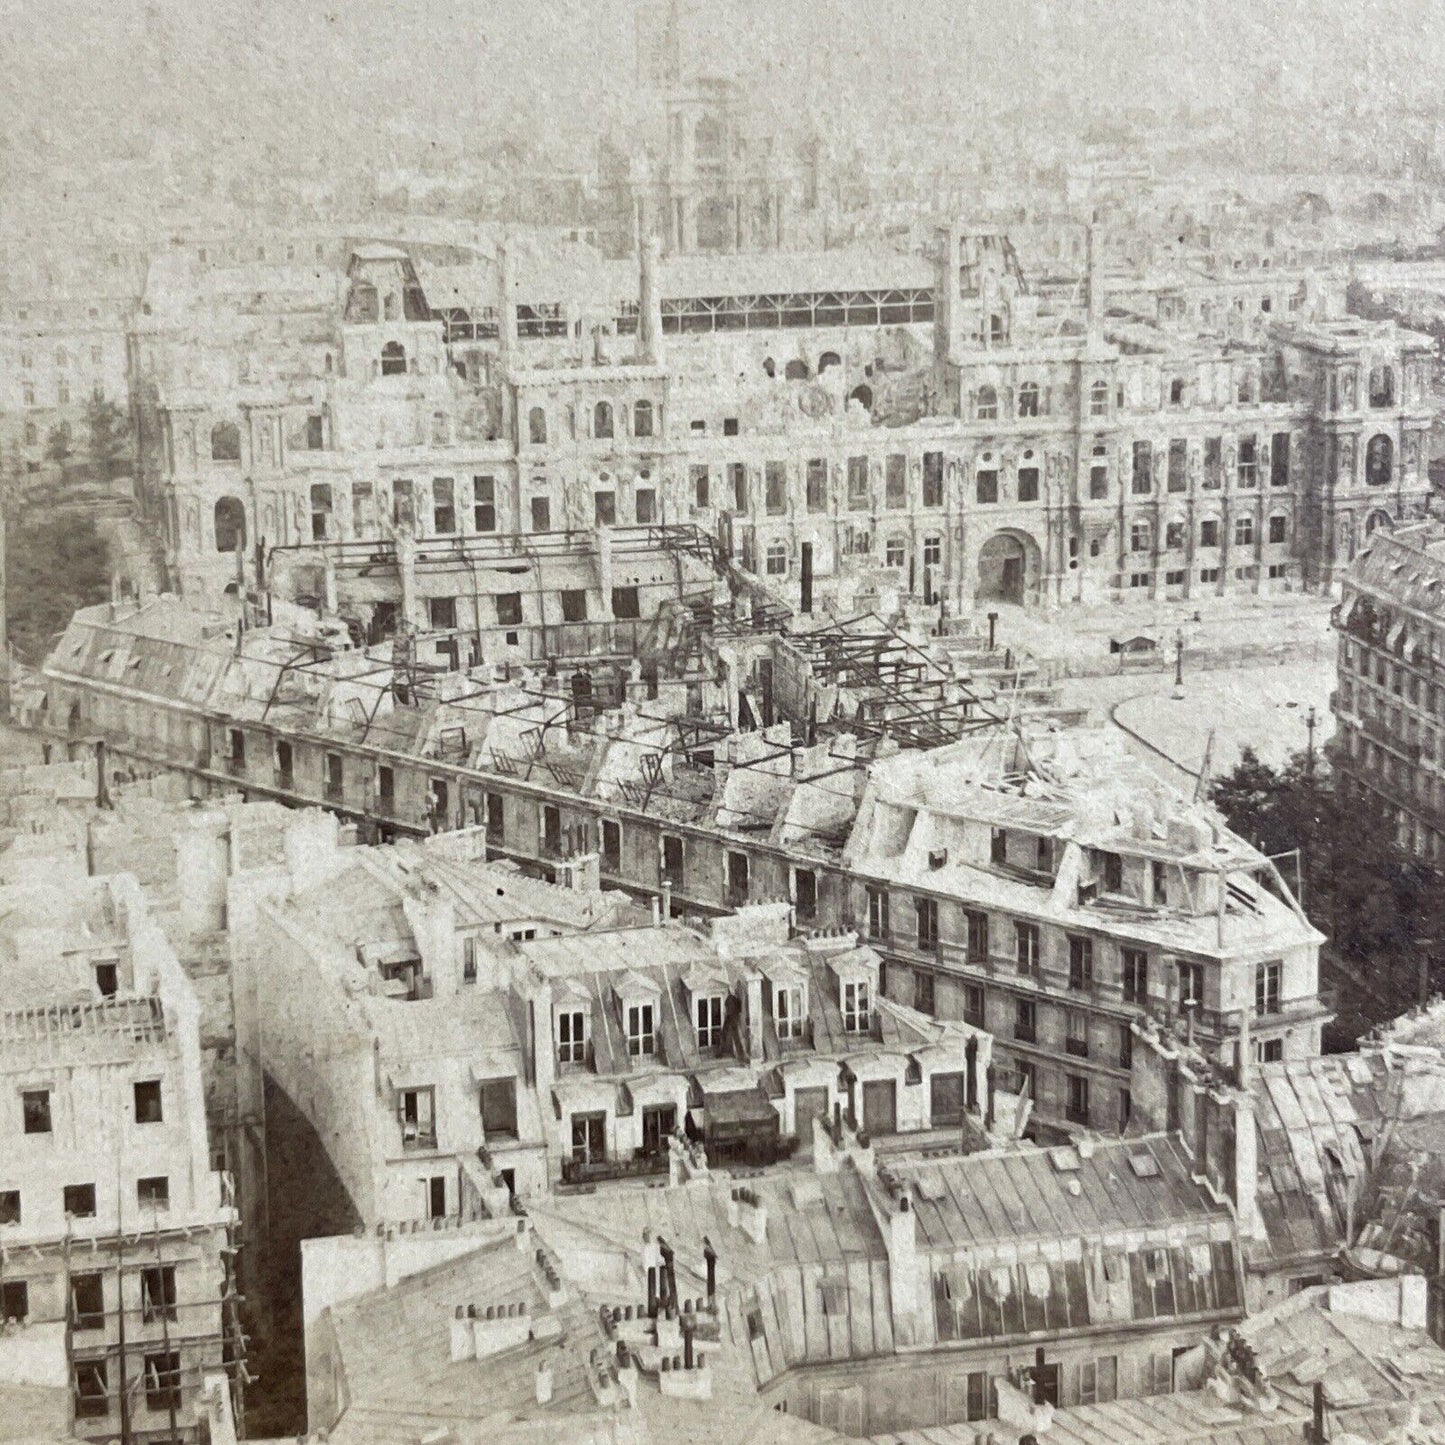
[(225, 445), (1028, 399), (987, 404), (863, 395), (1099, 399), (393, 359), (1382, 386), (777, 560), (827, 359), (328, 363), (602, 420), (642, 419), (230, 520), (707, 140), (796, 371), (1378, 520), (1379, 461), (537, 426)]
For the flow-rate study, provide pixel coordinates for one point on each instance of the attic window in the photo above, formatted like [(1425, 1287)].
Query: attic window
[(1145, 1166)]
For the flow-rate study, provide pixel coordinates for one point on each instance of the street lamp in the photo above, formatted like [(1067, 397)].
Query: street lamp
[(1311, 722), (1179, 664)]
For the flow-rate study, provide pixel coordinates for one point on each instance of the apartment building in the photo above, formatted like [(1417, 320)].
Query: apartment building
[(113, 1224), (460, 1034), (862, 1298), (1033, 883), (1389, 705)]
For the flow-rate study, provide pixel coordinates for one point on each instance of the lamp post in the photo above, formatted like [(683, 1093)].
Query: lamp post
[(1179, 664), (1311, 722)]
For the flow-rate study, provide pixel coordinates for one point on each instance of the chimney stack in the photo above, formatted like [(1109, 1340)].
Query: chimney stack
[(649, 306), (506, 309)]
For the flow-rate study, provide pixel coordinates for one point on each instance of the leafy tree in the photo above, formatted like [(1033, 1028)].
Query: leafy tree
[(110, 434), (58, 444), (56, 564)]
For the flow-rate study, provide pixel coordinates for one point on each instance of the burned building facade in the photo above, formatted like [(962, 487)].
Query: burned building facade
[(940, 426)]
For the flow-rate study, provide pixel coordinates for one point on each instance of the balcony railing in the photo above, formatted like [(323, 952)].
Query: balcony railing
[(641, 1165)]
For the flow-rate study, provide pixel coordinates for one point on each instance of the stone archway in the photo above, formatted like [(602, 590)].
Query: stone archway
[(1009, 565)]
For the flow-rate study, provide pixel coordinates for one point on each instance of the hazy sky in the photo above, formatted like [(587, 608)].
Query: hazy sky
[(308, 75)]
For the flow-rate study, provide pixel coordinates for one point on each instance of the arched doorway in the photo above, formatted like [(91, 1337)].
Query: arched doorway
[(1008, 569)]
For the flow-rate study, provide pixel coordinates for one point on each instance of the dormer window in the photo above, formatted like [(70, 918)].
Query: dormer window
[(709, 1013), (788, 1012), (856, 1013), (572, 1036), (641, 1036)]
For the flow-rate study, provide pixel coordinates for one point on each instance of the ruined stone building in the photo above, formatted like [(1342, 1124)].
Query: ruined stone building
[(113, 1223), (1389, 705), (944, 423)]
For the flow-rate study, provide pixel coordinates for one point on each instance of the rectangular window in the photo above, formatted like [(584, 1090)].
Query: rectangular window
[(1213, 463), (158, 1293), (709, 1013), (1026, 944), (611, 846), (979, 1396), (672, 860), (923, 991), (1025, 1021), (442, 613), (877, 913), (498, 1102), (1081, 963), (509, 609), (35, 1110), (641, 1041), (1134, 964), (1178, 465), (973, 1005), (92, 1390), (484, 503), (444, 506), (1279, 459), (788, 1013), (926, 910), (9, 1206), (977, 934), (933, 479), (1028, 484), (1278, 529), (626, 604), (698, 476), (775, 488), (78, 1200), (14, 1301), (817, 485), (895, 481), (574, 604), (87, 1302), (1098, 483), (1112, 869), (1126, 1046), (987, 482), (738, 481), (571, 1036), (857, 1016), (1209, 532), (1077, 1107), (857, 484), (805, 895), (604, 509), (1266, 987), (645, 505), (163, 1380), (1142, 482), (1076, 1036), (1248, 470)]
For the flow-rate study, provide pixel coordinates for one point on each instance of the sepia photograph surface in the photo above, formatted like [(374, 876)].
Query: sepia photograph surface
[(722, 722)]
